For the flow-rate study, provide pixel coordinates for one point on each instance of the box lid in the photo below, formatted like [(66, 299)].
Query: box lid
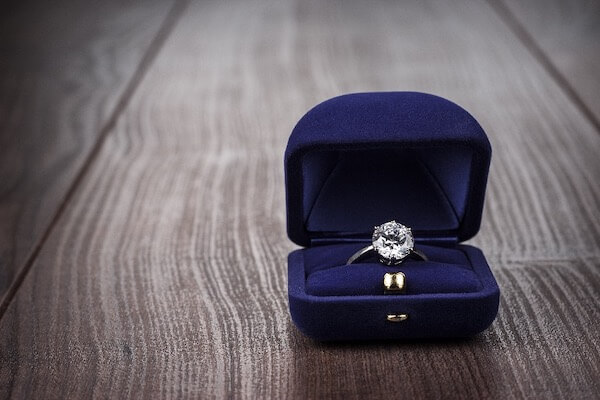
[(362, 159)]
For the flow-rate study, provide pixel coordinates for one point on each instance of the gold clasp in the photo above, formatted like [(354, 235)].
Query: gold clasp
[(397, 317), (394, 283)]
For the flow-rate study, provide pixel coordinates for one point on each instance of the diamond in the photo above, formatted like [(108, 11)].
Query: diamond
[(393, 242)]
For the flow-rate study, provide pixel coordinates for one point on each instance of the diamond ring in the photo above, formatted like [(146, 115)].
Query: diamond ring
[(392, 242)]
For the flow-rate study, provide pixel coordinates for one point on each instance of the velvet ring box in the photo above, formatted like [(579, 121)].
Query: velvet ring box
[(359, 160)]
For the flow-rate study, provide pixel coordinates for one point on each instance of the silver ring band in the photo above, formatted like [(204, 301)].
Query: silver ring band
[(366, 252)]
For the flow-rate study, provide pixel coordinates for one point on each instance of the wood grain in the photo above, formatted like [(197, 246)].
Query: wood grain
[(566, 36), (63, 67), (166, 275)]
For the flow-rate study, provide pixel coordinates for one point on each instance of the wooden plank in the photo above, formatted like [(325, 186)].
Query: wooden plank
[(566, 36), (166, 275), (63, 68)]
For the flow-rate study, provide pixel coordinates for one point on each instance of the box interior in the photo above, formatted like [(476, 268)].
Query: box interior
[(425, 188), (448, 270)]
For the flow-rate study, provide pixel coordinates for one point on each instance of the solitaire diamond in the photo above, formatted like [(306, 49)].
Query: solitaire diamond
[(393, 242)]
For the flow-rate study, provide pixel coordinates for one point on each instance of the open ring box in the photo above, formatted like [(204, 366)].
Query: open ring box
[(359, 160)]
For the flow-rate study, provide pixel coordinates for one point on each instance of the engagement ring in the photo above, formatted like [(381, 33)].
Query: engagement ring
[(392, 242)]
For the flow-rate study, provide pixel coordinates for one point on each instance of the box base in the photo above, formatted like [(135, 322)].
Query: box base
[(437, 307)]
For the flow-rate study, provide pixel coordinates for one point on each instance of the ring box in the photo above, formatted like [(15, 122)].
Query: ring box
[(359, 160)]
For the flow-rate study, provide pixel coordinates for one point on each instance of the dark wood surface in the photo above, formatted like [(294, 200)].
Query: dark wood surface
[(564, 36), (164, 275), (65, 67)]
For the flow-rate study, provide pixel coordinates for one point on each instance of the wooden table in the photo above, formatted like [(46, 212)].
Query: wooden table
[(142, 221)]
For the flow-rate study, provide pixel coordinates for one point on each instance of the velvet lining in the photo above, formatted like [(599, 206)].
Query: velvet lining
[(430, 200), (446, 271), (409, 156)]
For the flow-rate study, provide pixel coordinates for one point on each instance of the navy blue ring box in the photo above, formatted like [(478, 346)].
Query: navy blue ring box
[(358, 160)]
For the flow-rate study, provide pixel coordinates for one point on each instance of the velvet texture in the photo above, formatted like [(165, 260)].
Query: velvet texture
[(363, 159), (363, 317), (448, 270), (408, 156)]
